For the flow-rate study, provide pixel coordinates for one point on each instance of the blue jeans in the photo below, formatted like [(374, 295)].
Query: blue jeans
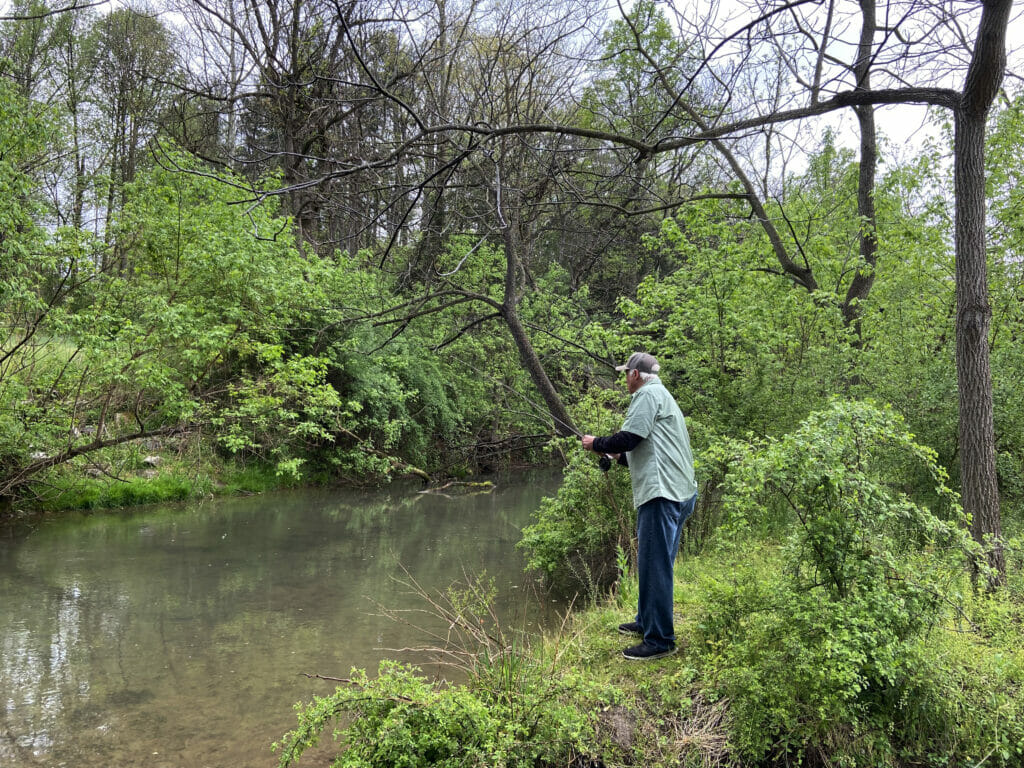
[(658, 529)]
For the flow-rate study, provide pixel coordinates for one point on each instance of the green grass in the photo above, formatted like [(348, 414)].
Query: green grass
[(40, 349), (251, 478), (956, 700), (90, 493), (68, 490)]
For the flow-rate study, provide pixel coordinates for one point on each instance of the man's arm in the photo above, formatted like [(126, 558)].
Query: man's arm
[(620, 442), (616, 445)]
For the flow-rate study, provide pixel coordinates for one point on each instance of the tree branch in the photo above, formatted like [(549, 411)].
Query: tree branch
[(75, 6)]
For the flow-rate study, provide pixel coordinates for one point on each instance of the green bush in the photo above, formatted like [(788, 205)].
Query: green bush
[(512, 712), (961, 702), (577, 534), (398, 720), (832, 647)]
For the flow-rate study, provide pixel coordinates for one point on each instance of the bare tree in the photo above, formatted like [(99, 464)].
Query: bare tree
[(293, 79), (506, 75), (74, 66), (221, 65)]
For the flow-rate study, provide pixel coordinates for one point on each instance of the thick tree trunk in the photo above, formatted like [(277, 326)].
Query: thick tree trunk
[(973, 319), (974, 314), (973, 311)]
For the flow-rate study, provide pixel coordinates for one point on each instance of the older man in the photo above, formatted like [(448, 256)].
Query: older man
[(655, 445)]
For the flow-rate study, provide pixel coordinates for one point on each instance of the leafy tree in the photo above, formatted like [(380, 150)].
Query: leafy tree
[(743, 350), (26, 43), (617, 195), (74, 65), (27, 294), (191, 338), (908, 354)]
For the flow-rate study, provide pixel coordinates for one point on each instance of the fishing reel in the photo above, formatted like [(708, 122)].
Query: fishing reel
[(604, 462)]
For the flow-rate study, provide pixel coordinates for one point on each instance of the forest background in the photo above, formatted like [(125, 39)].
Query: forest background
[(248, 244)]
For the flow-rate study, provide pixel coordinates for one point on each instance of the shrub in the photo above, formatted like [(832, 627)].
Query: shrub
[(398, 719), (513, 712), (578, 533), (825, 645)]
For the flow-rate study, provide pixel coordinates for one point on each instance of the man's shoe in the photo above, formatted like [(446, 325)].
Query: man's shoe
[(645, 652), (631, 628)]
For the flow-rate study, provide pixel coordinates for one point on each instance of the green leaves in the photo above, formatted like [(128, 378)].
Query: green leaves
[(510, 714), (742, 348), (578, 534), (835, 483), (645, 61), (400, 719), (818, 642), (193, 331)]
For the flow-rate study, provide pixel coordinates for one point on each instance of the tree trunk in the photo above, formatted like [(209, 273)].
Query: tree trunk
[(973, 318), (531, 360), (864, 276), (973, 310)]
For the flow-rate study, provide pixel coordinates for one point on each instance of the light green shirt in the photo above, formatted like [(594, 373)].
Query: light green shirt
[(661, 465)]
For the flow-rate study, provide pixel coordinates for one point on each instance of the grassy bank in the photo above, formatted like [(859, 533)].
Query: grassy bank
[(762, 678), (766, 678), (132, 477)]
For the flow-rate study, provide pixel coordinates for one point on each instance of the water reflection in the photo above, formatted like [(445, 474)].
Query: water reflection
[(177, 636)]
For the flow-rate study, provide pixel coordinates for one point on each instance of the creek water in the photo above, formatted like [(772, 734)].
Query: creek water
[(178, 635)]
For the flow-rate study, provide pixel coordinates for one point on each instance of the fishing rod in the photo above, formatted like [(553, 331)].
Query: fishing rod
[(604, 462)]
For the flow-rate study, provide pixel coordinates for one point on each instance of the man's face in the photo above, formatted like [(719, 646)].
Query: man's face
[(633, 381)]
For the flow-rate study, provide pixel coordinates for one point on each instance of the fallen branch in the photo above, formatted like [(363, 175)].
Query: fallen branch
[(352, 683), (485, 486)]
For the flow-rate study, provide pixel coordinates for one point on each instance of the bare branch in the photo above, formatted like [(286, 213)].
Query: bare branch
[(75, 6)]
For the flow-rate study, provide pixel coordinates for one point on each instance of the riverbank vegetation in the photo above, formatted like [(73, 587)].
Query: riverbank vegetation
[(766, 675), (830, 619), (259, 244)]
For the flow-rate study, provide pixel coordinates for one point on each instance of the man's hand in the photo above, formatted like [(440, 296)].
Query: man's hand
[(588, 442)]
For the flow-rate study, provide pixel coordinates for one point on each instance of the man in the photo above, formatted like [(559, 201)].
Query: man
[(656, 447)]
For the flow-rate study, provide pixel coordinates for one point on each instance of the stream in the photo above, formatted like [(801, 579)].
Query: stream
[(179, 635)]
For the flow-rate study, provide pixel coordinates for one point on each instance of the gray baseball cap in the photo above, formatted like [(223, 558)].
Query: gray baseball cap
[(640, 361)]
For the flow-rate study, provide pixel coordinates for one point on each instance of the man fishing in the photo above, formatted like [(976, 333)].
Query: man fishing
[(655, 445)]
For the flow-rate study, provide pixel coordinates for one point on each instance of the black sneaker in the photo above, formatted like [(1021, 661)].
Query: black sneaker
[(631, 628), (645, 652)]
